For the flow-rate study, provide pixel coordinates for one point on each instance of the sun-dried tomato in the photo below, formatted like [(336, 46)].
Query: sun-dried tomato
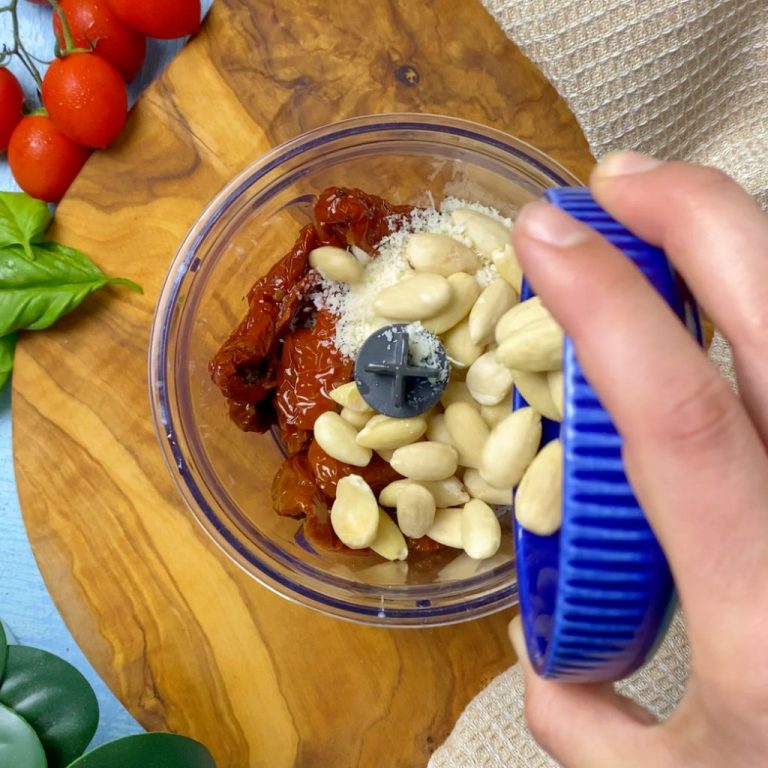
[(310, 367), (356, 218), (280, 363), (294, 490), (328, 471), (246, 365)]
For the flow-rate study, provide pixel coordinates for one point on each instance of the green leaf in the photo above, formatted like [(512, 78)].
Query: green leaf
[(148, 750), (34, 294), (9, 638), (23, 220), (19, 746), (3, 643), (54, 698), (7, 348)]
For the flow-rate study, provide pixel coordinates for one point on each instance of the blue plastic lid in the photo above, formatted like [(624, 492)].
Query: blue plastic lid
[(596, 596)]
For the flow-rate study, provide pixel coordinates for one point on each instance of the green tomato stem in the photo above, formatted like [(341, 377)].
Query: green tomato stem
[(69, 46), (18, 47)]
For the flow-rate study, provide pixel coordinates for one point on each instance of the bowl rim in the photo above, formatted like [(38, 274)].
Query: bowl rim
[(158, 365)]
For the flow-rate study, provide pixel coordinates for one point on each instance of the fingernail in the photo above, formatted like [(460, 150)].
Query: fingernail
[(625, 164), (547, 224), (517, 638)]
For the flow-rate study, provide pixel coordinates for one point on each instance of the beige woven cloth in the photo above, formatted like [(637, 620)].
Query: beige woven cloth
[(678, 79)]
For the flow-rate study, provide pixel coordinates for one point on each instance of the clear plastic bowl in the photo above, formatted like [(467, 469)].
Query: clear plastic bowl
[(225, 475)]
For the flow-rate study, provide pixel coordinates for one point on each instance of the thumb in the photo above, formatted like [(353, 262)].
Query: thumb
[(583, 725)]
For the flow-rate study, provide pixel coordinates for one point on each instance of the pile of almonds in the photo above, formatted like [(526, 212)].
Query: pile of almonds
[(465, 457)]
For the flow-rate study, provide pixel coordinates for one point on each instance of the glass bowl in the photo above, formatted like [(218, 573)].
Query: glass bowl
[(225, 475)]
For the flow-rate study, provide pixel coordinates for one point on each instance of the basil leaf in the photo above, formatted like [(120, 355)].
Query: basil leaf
[(3, 642), (23, 220), (19, 746), (34, 294), (7, 348), (54, 698), (148, 750)]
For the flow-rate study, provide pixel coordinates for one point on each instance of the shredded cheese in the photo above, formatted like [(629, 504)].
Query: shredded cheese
[(352, 304)]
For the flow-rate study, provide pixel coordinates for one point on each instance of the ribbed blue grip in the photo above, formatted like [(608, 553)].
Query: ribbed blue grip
[(596, 596)]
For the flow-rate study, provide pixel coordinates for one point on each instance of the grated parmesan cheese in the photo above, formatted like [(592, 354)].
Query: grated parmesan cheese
[(424, 350), (352, 304)]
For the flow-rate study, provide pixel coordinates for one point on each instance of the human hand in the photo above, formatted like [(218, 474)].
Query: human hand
[(697, 457)]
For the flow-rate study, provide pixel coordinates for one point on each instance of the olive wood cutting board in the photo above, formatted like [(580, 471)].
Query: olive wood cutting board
[(185, 639)]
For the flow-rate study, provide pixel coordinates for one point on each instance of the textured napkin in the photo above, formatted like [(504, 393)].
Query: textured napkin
[(678, 80)]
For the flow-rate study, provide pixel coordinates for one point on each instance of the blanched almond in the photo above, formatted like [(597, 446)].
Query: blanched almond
[(355, 513), (464, 291), (468, 432), (336, 264), (488, 235), (389, 542), (362, 256), (496, 299), (355, 418), (348, 396), (480, 530), (385, 432), (389, 574), (508, 267), (415, 510), (440, 254), (337, 438), (459, 346), (534, 387), (488, 381), (556, 390), (537, 346), (416, 297), (437, 432), (457, 392), (425, 461), (479, 489), (385, 453), (510, 448), (518, 316), (446, 527), (389, 493), (493, 414), (503, 556), (446, 493), (539, 499), (461, 567)]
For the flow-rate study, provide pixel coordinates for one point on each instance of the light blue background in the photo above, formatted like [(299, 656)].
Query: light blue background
[(25, 606)]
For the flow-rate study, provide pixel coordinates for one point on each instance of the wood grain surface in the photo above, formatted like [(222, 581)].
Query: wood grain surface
[(187, 641)]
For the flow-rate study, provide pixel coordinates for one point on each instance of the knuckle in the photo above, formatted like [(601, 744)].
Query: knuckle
[(699, 414), (707, 178), (695, 191), (754, 321)]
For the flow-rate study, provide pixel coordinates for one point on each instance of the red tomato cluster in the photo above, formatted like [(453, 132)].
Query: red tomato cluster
[(84, 99)]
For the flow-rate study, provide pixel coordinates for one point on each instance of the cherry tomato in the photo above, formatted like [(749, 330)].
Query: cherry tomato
[(43, 160), (85, 96), (11, 101), (166, 20), (91, 22)]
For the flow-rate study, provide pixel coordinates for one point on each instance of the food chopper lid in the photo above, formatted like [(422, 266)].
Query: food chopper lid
[(596, 596)]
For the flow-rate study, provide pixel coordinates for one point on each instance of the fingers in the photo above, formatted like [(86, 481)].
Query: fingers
[(583, 726), (717, 238), (695, 461)]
